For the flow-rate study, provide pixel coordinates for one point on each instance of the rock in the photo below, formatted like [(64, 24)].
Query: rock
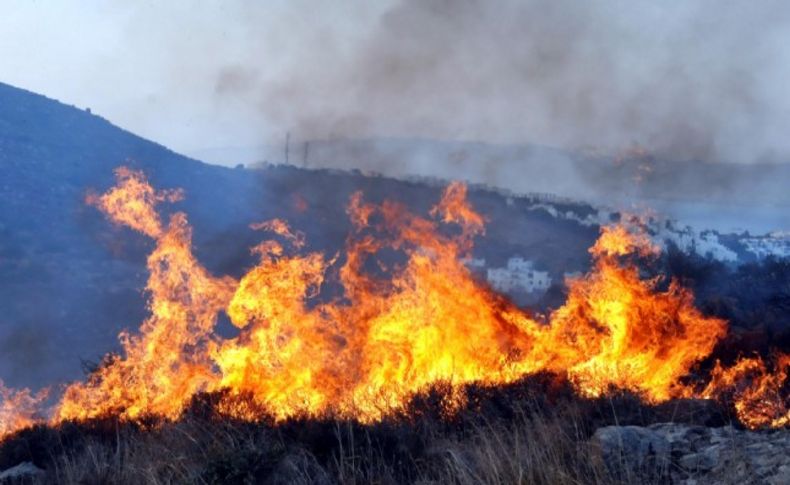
[(633, 449), (699, 461), (24, 472), (696, 454)]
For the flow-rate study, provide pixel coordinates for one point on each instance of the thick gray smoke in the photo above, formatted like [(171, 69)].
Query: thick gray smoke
[(688, 80), (682, 79)]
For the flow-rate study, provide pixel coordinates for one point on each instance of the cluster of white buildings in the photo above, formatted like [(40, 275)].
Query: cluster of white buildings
[(518, 275)]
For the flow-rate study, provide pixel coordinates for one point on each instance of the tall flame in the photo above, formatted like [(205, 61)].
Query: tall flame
[(394, 331), (167, 361)]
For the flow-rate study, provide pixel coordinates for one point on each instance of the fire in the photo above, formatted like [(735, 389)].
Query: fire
[(19, 409), (755, 391), (393, 330), (133, 201), (167, 361), (617, 330)]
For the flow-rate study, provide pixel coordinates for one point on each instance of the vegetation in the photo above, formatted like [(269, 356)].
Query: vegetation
[(534, 431)]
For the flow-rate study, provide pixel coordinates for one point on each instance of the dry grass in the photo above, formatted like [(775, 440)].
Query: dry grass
[(530, 449), (504, 435)]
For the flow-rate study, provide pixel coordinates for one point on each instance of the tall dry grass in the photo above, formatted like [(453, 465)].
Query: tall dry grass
[(532, 432)]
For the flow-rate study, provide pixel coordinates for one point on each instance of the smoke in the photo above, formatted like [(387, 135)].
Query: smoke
[(680, 81), (694, 80), (25, 353), (686, 80)]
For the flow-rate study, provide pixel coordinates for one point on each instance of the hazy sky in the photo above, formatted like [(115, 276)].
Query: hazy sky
[(692, 79), (156, 67)]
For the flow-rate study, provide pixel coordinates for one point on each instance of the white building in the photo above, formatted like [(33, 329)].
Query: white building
[(518, 275)]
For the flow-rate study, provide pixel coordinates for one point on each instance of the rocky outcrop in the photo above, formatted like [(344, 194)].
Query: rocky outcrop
[(684, 454), (24, 472)]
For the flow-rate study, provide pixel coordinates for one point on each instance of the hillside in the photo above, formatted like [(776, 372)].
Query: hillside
[(67, 285), (714, 195), (69, 281)]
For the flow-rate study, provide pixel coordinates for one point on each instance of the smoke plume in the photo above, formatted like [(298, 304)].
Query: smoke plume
[(697, 80)]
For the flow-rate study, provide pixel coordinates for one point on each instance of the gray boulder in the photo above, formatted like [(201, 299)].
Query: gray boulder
[(25, 472), (633, 451), (680, 453)]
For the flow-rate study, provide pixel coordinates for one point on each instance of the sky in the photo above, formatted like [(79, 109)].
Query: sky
[(156, 68), (690, 80)]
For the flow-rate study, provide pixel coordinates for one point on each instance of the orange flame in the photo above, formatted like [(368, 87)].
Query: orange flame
[(426, 320), (168, 360), (133, 201), (756, 392), (19, 409)]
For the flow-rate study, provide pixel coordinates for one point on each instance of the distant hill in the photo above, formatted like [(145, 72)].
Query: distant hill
[(724, 196)]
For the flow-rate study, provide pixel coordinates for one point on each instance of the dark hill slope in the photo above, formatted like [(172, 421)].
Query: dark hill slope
[(64, 282)]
